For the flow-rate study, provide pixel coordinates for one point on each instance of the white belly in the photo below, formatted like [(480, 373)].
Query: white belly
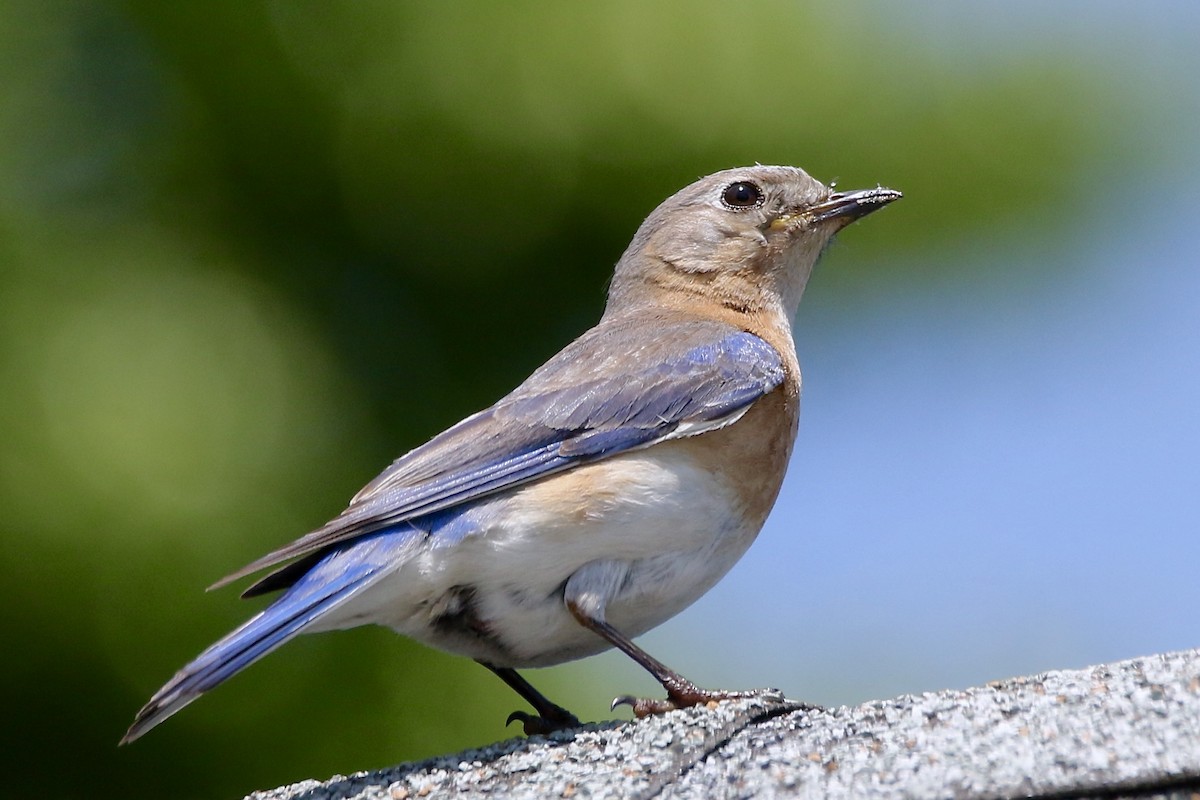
[(496, 593)]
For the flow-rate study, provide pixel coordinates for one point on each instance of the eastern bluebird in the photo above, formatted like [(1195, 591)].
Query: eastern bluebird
[(602, 496)]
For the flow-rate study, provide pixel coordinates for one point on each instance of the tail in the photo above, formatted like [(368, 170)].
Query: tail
[(330, 583)]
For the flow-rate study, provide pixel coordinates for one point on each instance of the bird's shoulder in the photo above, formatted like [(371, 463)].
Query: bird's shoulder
[(625, 374)]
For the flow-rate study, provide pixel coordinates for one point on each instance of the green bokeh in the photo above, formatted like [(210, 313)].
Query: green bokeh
[(250, 252)]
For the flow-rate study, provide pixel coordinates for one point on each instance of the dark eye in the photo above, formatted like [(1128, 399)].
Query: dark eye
[(742, 195)]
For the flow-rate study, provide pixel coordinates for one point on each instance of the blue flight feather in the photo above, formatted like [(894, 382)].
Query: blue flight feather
[(340, 574)]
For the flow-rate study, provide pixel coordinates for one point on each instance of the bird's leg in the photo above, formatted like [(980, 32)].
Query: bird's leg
[(550, 716), (681, 693)]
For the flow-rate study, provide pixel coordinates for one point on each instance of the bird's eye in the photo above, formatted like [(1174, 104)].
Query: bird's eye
[(742, 195)]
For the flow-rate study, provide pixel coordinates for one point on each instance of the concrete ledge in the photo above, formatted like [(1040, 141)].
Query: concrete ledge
[(1129, 729)]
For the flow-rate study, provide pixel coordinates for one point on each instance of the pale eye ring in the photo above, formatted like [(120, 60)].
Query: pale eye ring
[(741, 195)]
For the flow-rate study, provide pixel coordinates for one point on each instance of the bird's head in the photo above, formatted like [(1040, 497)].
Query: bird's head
[(744, 238)]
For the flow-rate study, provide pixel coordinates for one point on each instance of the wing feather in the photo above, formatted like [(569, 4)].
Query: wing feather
[(609, 392)]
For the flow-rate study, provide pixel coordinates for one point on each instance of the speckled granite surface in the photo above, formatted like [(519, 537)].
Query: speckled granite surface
[(1129, 729)]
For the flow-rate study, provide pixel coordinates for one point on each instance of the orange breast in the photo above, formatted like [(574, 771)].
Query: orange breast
[(752, 454)]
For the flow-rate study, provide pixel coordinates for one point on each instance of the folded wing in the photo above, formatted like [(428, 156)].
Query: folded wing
[(623, 394)]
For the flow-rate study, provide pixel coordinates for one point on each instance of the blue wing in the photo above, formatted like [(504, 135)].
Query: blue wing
[(608, 392)]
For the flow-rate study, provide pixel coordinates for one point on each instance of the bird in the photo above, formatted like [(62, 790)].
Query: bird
[(602, 496)]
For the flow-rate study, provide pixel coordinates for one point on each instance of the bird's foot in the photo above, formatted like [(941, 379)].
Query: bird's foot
[(553, 718), (686, 694)]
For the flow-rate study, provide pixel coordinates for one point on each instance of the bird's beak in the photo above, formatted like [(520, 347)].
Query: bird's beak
[(849, 206), (845, 207)]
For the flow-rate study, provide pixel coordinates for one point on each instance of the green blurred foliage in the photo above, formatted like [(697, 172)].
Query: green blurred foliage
[(250, 252)]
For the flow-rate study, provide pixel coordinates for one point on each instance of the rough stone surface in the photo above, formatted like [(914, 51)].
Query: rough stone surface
[(1124, 730)]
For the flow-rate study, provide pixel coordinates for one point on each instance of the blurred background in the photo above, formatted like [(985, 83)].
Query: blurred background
[(251, 252)]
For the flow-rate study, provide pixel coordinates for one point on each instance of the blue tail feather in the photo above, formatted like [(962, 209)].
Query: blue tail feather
[(338, 576)]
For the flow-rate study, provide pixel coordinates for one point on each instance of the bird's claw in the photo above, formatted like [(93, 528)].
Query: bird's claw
[(536, 724), (646, 706), (622, 700), (689, 697)]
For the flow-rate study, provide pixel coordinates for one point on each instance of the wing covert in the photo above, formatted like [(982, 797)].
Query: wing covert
[(608, 392)]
